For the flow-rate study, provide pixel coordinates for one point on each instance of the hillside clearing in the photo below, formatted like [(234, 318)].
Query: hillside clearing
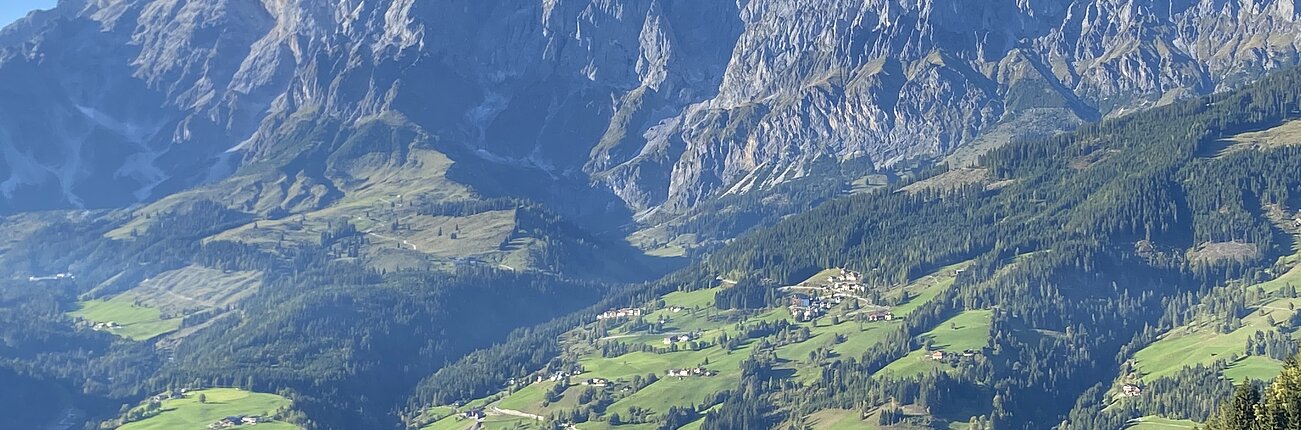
[(125, 318), (1159, 423), (1286, 134), (188, 414)]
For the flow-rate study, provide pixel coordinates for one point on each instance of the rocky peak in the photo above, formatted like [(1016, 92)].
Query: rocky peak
[(661, 103)]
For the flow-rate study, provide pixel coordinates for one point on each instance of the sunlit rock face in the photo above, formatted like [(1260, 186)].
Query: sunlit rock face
[(660, 104)]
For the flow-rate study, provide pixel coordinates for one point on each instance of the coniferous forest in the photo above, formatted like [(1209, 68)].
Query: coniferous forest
[(1084, 249)]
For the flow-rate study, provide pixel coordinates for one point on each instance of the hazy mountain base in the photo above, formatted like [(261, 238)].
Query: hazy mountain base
[(338, 334)]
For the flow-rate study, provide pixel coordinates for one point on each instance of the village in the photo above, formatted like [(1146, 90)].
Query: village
[(813, 299), (684, 341)]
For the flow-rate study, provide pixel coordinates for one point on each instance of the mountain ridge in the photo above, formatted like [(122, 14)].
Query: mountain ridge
[(656, 105)]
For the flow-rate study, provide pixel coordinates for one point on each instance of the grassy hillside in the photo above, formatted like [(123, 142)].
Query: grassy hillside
[(157, 305), (968, 331), (189, 413), (123, 317), (1137, 244), (633, 354), (1205, 341)]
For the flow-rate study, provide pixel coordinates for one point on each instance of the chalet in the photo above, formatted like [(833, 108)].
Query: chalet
[(597, 382), (676, 309), (227, 422), (475, 414), (937, 355), (1132, 390), (679, 338), (696, 372), (880, 316)]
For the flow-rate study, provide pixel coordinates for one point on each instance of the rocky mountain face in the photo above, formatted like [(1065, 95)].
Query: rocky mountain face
[(658, 105)]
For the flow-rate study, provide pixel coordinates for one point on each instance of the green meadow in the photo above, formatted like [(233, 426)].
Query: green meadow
[(136, 322), (838, 334), (967, 330), (189, 414), (1204, 344)]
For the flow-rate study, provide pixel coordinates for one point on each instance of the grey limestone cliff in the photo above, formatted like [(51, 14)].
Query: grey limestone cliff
[(660, 103)]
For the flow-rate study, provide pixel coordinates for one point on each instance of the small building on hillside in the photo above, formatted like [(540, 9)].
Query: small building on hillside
[(880, 316), (937, 355), (687, 373), (619, 313), (228, 422), (1132, 390)]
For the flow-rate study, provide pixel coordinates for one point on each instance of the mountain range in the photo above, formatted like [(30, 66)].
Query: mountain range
[(651, 106), (722, 214)]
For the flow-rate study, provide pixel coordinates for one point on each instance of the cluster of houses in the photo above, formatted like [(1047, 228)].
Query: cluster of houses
[(474, 414), (597, 382), (805, 308), (233, 421), (939, 355), (101, 326), (883, 315), (681, 338), (559, 376), (687, 373), (619, 313), (554, 377), (848, 281), (55, 277)]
